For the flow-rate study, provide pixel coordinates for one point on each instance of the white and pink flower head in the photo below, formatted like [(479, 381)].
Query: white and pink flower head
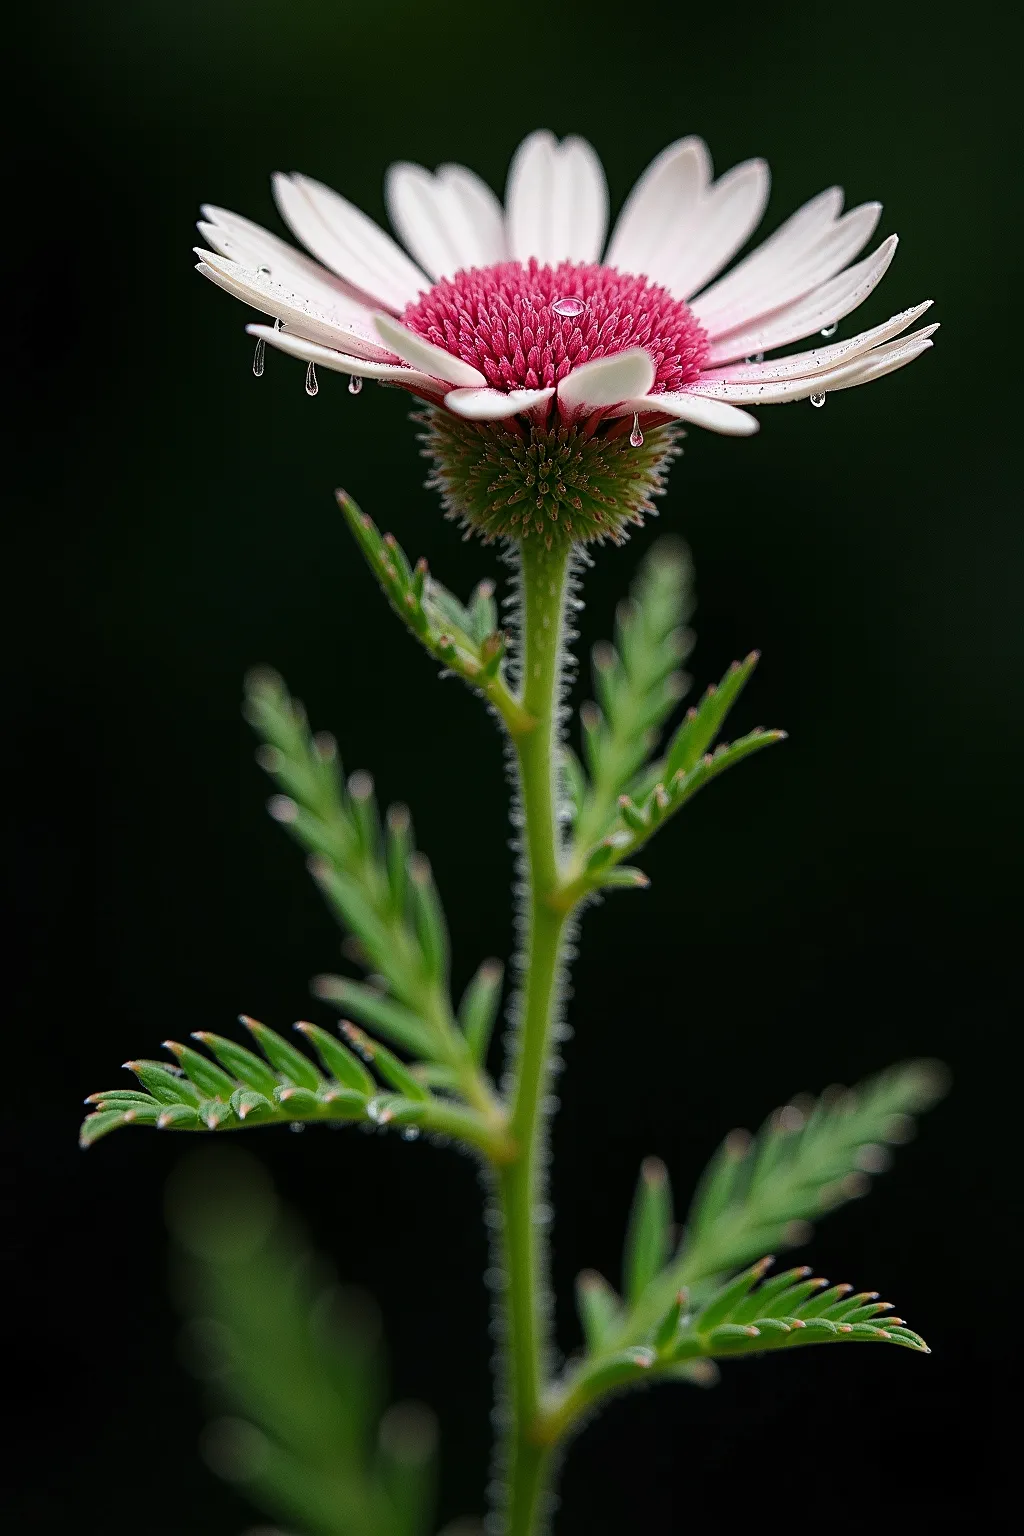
[(556, 369)]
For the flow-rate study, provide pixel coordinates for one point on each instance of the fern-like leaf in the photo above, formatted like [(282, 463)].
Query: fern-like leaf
[(379, 886), (637, 681), (465, 639), (739, 1318), (626, 798), (296, 1365), (809, 1157), (233, 1087)]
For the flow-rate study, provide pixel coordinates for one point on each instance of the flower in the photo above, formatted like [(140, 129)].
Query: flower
[(526, 335)]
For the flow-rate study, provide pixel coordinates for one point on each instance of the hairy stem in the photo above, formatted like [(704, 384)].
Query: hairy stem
[(521, 1182)]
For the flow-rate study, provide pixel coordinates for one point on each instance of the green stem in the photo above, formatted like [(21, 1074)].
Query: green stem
[(527, 1459)]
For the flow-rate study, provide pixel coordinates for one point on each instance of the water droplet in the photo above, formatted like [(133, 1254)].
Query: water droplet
[(818, 400), (259, 357), (312, 387), (410, 1133), (830, 330), (568, 308), (755, 357), (296, 1126), (277, 323), (355, 384), (636, 437)]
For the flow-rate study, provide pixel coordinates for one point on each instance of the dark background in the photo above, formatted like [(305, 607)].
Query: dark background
[(848, 900)]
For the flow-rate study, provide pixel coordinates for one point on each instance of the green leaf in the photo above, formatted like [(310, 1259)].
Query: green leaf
[(242, 1065), (598, 1307), (167, 1086), (293, 1367), (378, 1012), (338, 1060), (649, 1236), (637, 682), (178, 1104), (200, 1070), (393, 1071), (95, 1126), (429, 918), (702, 724), (180, 1117), (479, 1008), (465, 640), (781, 1314), (806, 1160), (291, 1064)]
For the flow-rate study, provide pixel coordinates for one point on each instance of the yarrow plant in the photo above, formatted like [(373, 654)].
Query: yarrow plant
[(554, 375)]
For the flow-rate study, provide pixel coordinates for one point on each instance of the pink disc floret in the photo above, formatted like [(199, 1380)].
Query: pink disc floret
[(527, 325)]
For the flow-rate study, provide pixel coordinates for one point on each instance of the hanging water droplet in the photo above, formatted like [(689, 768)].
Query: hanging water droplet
[(568, 308), (758, 357), (636, 437), (830, 330), (312, 387), (259, 357), (277, 322), (818, 400), (355, 384)]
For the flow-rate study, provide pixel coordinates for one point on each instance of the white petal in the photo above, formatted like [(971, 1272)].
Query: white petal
[(254, 247), (660, 209), (420, 353), (818, 310), (606, 381), (886, 360), (303, 316), (727, 215), (801, 232), (557, 200), (348, 242), (854, 371), (712, 414), (784, 268), (494, 404), (448, 221), (341, 362), (798, 365)]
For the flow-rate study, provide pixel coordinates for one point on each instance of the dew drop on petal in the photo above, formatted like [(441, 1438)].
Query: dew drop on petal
[(636, 437), (259, 357), (568, 308), (312, 387), (818, 401), (277, 323), (355, 384), (830, 330)]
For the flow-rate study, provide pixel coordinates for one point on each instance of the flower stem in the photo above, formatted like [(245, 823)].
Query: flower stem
[(527, 1459)]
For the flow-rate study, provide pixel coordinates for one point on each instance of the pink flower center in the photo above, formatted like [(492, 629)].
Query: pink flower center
[(527, 326)]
